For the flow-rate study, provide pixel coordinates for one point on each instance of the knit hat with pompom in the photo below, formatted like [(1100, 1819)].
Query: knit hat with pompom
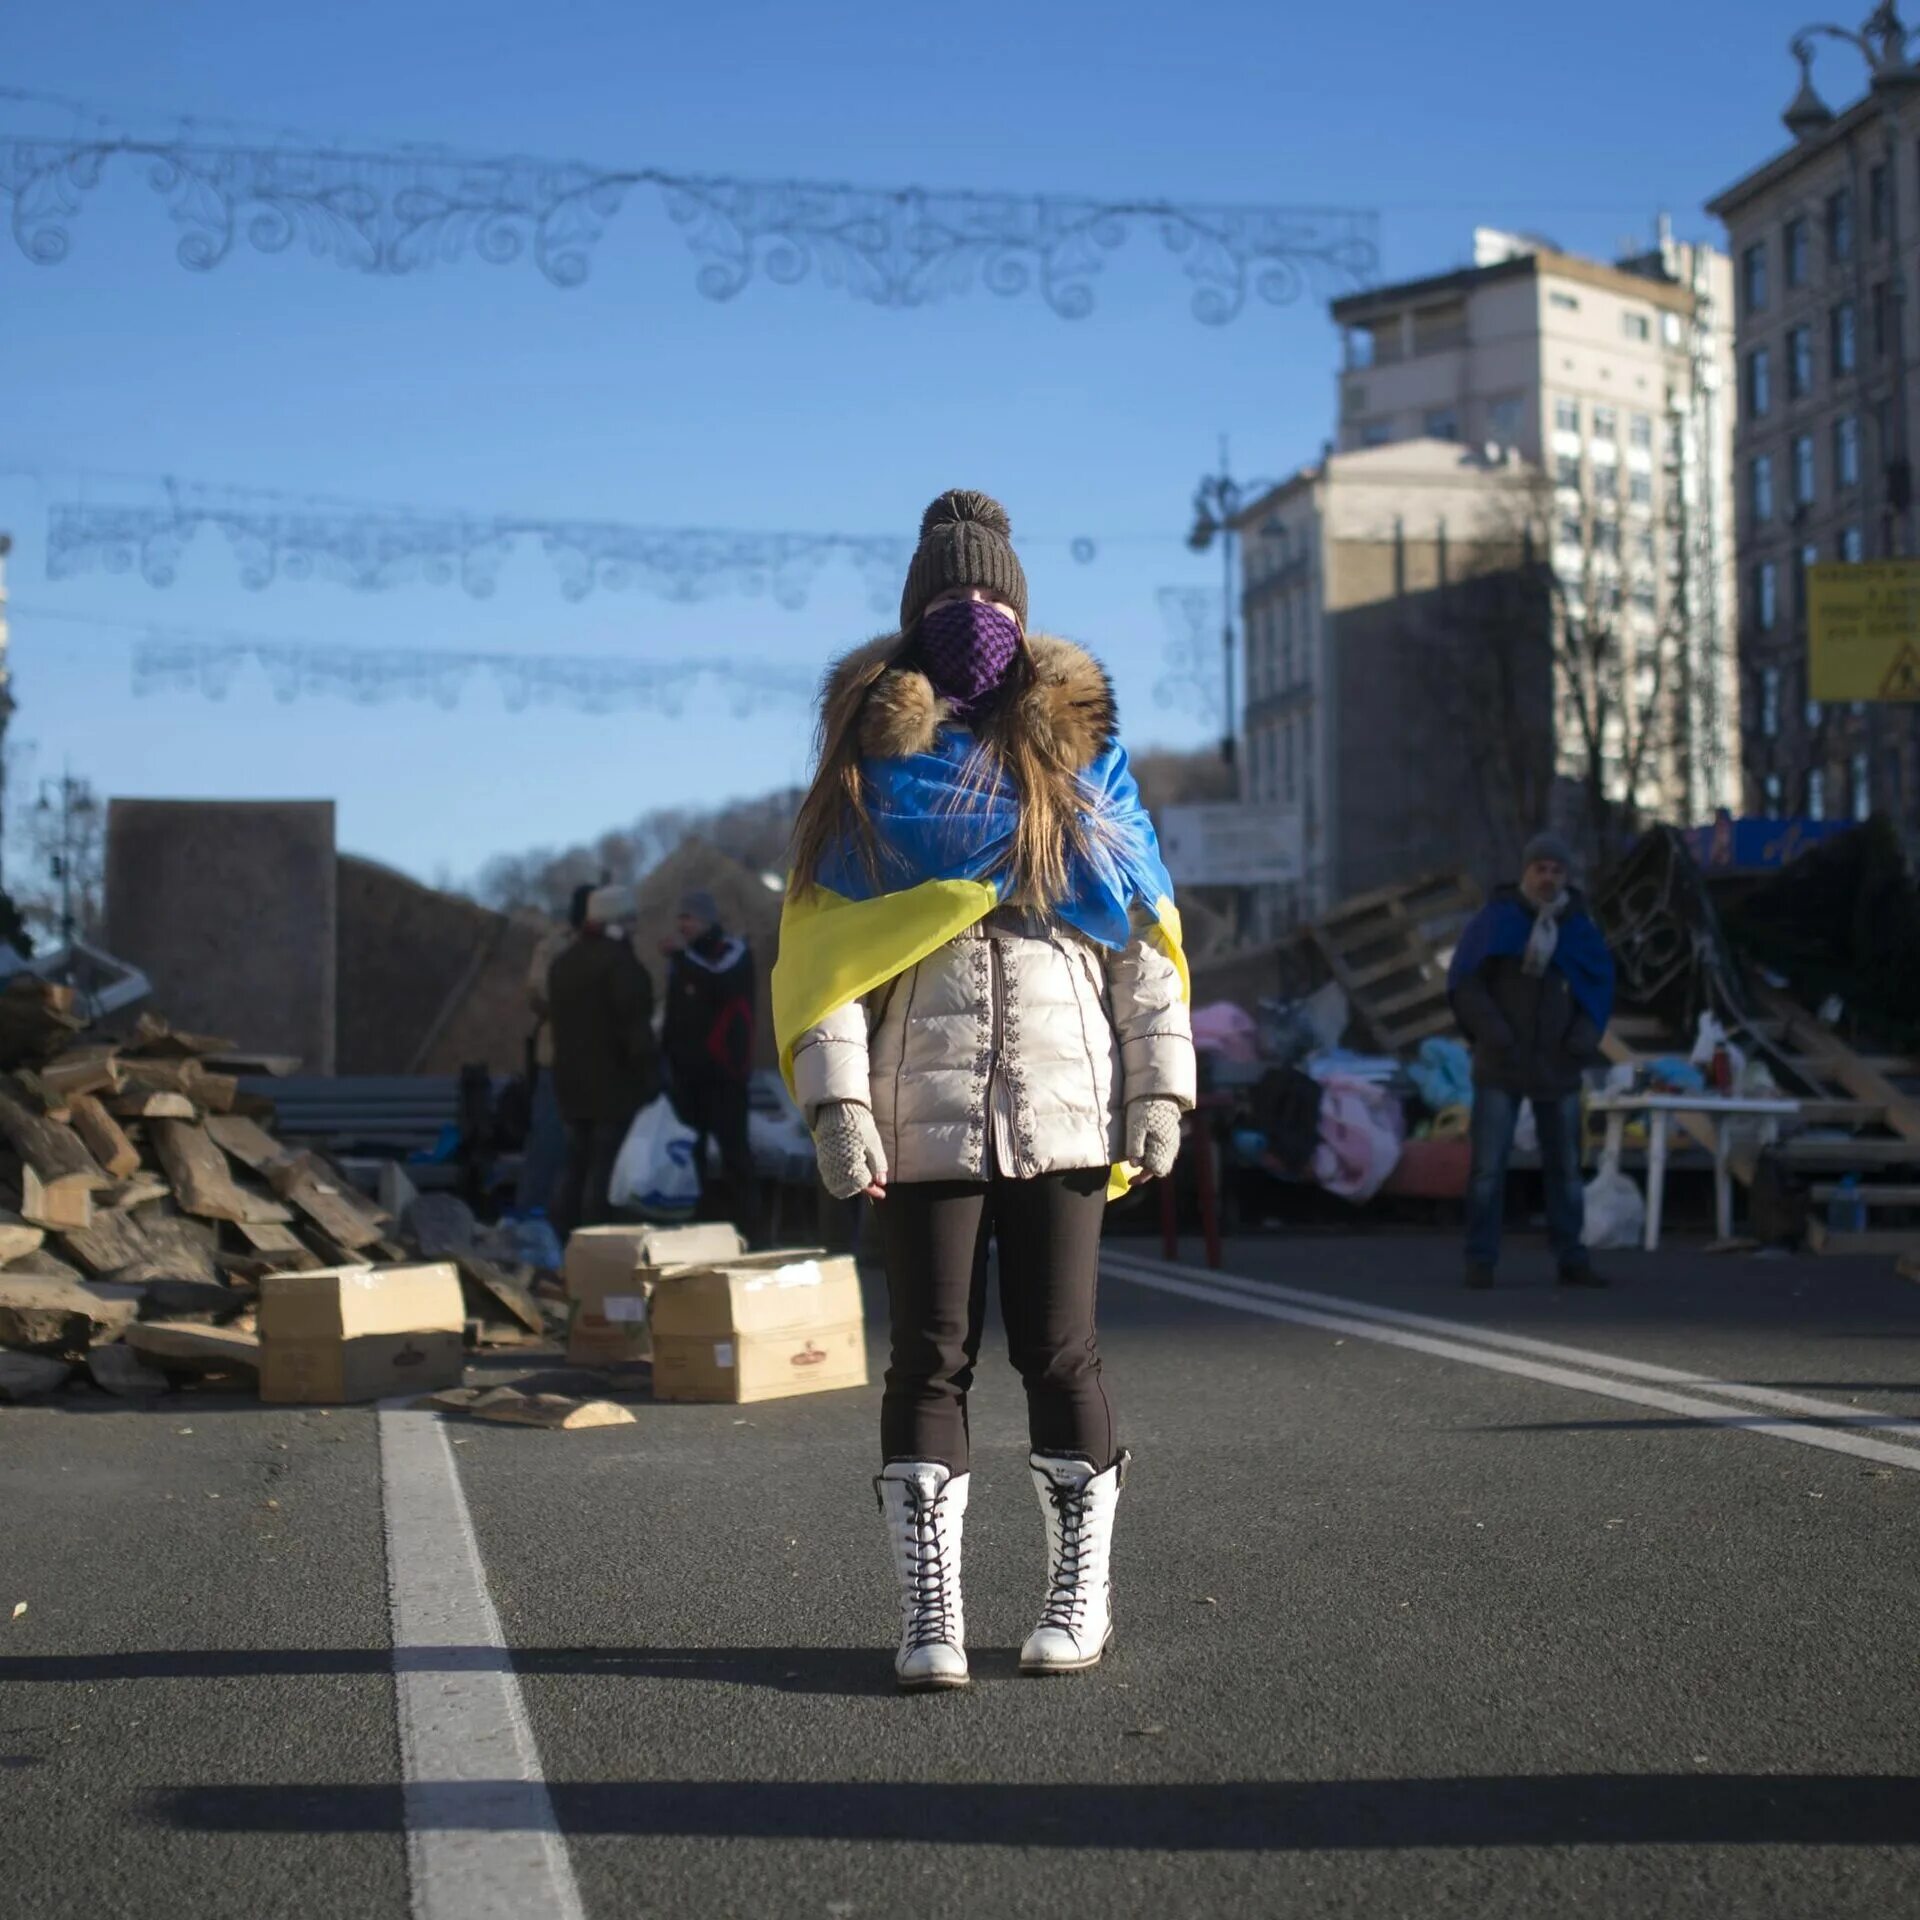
[(964, 542)]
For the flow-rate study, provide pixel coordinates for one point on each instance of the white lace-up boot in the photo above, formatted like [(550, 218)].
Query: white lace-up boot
[(1076, 1624), (925, 1505)]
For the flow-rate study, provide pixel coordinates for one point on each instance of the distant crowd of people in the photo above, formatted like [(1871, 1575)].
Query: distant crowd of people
[(599, 1055)]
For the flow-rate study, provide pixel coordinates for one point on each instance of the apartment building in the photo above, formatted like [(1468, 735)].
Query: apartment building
[(1397, 694), (1611, 381), (1822, 444)]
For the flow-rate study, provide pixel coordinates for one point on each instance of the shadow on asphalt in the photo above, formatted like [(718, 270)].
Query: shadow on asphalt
[(1877, 1810), (844, 1671)]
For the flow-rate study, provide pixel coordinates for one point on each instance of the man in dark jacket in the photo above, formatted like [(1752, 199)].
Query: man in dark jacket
[(605, 1064), (709, 1047), (1532, 987)]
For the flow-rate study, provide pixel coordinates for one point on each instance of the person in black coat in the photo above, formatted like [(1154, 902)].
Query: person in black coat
[(606, 1066), (1532, 986), (708, 1040)]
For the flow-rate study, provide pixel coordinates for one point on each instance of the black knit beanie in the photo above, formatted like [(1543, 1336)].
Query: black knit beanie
[(964, 542)]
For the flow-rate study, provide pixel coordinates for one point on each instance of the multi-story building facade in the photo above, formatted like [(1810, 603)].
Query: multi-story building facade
[(1611, 380), (1823, 440), (1386, 697)]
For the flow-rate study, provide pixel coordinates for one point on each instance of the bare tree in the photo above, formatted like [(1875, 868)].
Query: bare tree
[(62, 890)]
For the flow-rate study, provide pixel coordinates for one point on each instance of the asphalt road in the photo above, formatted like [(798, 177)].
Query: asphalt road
[(1413, 1620)]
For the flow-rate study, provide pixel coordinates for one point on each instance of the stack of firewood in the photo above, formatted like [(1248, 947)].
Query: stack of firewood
[(143, 1196)]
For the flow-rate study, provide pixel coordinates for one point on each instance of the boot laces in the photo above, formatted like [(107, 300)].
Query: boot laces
[(1067, 1600), (929, 1586)]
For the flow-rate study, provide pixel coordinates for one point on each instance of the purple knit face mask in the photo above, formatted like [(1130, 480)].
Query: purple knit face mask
[(966, 648)]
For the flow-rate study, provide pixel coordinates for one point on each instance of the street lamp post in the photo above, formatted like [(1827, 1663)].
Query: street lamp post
[(1217, 503)]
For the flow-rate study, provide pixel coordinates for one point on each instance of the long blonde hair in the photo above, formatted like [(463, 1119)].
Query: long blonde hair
[(1050, 830)]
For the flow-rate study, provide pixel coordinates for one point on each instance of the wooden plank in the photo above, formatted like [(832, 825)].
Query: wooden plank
[(141, 1103), (1842, 1113), (103, 1136), (266, 1237), (153, 1037), (62, 1204), (202, 1180), (249, 1142), (107, 1243), (1861, 1077), (91, 1069), (1868, 1196), (264, 1066), (17, 1237), (305, 1181), (188, 1344), (52, 1150), (1690, 1124), (1880, 1241), (1845, 1156)]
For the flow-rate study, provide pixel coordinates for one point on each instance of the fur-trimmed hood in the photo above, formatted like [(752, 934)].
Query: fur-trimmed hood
[(1069, 707)]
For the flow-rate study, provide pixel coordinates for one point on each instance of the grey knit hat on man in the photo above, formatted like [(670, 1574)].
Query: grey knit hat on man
[(1546, 846), (965, 541)]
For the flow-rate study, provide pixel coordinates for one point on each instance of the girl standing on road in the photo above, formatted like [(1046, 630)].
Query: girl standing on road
[(981, 1003)]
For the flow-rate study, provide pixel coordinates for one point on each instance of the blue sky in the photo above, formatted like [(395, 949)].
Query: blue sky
[(633, 398)]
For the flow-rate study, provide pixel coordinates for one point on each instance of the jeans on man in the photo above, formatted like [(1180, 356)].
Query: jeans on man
[(1557, 1121)]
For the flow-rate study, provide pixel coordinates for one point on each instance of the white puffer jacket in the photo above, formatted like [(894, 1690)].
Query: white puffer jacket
[(1019, 1044)]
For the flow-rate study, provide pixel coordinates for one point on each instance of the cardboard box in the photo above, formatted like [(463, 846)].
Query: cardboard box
[(360, 1333), (610, 1272), (762, 1327)]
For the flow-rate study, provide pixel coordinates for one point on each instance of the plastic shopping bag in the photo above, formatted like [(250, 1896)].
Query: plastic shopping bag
[(1616, 1210), (654, 1173)]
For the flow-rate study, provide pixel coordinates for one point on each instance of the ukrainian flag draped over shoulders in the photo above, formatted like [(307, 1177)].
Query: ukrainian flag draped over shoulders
[(944, 850)]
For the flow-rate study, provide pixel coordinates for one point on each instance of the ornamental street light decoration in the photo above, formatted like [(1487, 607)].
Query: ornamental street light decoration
[(1218, 503), (1893, 78), (275, 536), (398, 211)]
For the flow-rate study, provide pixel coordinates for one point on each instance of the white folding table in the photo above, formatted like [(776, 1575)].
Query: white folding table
[(1659, 1110)]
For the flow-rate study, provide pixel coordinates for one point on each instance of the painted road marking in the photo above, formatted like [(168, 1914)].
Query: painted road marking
[(482, 1839), (1894, 1424), (1253, 1297)]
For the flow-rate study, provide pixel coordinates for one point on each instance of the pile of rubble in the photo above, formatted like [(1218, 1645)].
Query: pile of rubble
[(143, 1197)]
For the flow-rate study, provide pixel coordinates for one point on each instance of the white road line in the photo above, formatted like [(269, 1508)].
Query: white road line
[(1709, 1413), (482, 1839), (1749, 1393)]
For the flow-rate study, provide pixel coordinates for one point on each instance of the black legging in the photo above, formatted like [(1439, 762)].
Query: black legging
[(934, 1234)]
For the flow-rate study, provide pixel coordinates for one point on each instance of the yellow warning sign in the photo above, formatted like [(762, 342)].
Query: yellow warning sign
[(1863, 631)]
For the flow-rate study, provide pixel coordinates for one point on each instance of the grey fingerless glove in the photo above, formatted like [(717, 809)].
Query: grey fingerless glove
[(1153, 1135), (847, 1145)]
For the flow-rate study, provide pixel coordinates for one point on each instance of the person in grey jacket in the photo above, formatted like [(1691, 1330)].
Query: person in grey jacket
[(987, 1091)]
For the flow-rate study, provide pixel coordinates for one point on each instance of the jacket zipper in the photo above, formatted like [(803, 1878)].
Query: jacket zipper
[(1009, 1161)]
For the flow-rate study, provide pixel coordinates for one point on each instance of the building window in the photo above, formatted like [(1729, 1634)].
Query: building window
[(1564, 301), (1809, 556), (1670, 329), (1441, 423), (1877, 202), (1841, 337), (1566, 416), (1852, 547), (1882, 319), (1636, 326), (1573, 530), (1640, 432), (1793, 240), (1766, 596), (1816, 793), (1840, 225), (1566, 472), (1640, 489), (1375, 433), (1753, 277), (1860, 780), (1803, 470), (1643, 546), (1644, 600), (1286, 762), (1759, 384), (1799, 362), (1770, 703), (1770, 788), (1606, 536), (1606, 480), (1811, 714), (1760, 486), (1846, 451), (1605, 424), (1507, 416)]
